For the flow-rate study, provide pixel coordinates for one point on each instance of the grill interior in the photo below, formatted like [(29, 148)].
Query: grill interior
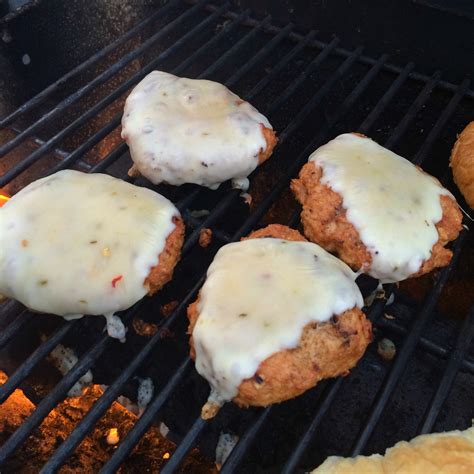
[(311, 91)]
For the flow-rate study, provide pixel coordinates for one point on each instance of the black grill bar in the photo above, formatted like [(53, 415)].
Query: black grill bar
[(33, 157), (113, 391), (467, 364), (282, 63), (242, 42), (240, 449), (148, 417), (185, 446), (390, 67), (456, 358), (100, 79), (327, 398), (261, 55), (312, 66), (377, 308), (14, 327), (188, 441), (39, 354), (303, 443), (235, 457), (53, 398), (441, 122), (387, 97), (406, 350), (237, 21), (123, 148), (115, 121), (41, 96), (340, 72), (416, 107)]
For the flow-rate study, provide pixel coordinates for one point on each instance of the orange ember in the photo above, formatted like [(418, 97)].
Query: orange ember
[(4, 197)]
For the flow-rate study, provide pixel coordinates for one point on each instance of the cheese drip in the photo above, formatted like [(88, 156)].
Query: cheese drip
[(258, 296), (392, 204), (76, 243), (191, 131)]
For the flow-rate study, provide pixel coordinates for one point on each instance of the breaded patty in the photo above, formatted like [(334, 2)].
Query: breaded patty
[(462, 163), (327, 349), (183, 130), (325, 222), (271, 139), (162, 272)]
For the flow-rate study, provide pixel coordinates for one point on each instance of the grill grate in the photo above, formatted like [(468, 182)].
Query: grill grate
[(311, 90)]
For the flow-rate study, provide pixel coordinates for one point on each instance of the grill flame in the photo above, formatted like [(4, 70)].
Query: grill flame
[(4, 197)]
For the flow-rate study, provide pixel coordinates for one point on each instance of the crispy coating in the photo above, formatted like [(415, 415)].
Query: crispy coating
[(271, 139), (462, 163), (162, 272), (325, 222), (325, 350), (205, 237)]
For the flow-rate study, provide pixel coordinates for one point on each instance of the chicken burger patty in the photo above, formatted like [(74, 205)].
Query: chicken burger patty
[(183, 130), (375, 210), (76, 243), (275, 316)]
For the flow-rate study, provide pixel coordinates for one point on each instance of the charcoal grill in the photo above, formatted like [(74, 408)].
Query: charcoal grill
[(311, 89)]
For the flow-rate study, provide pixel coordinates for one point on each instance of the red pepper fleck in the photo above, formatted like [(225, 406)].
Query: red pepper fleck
[(116, 280)]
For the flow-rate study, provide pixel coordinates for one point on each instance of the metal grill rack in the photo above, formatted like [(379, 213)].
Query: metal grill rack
[(311, 91)]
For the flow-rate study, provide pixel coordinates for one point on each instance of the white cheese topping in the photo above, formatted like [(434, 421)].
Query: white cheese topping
[(392, 204), (258, 296), (76, 243), (191, 131)]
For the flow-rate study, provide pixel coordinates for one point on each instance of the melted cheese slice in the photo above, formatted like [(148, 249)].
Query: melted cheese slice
[(393, 205), (258, 296), (75, 243), (191, 131)]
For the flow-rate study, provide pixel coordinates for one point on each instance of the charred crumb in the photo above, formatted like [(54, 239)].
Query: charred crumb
[(165, 333), (243, 315), (143, 328), (386, 349), (205, 237), (168, 308), (203, 163)]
